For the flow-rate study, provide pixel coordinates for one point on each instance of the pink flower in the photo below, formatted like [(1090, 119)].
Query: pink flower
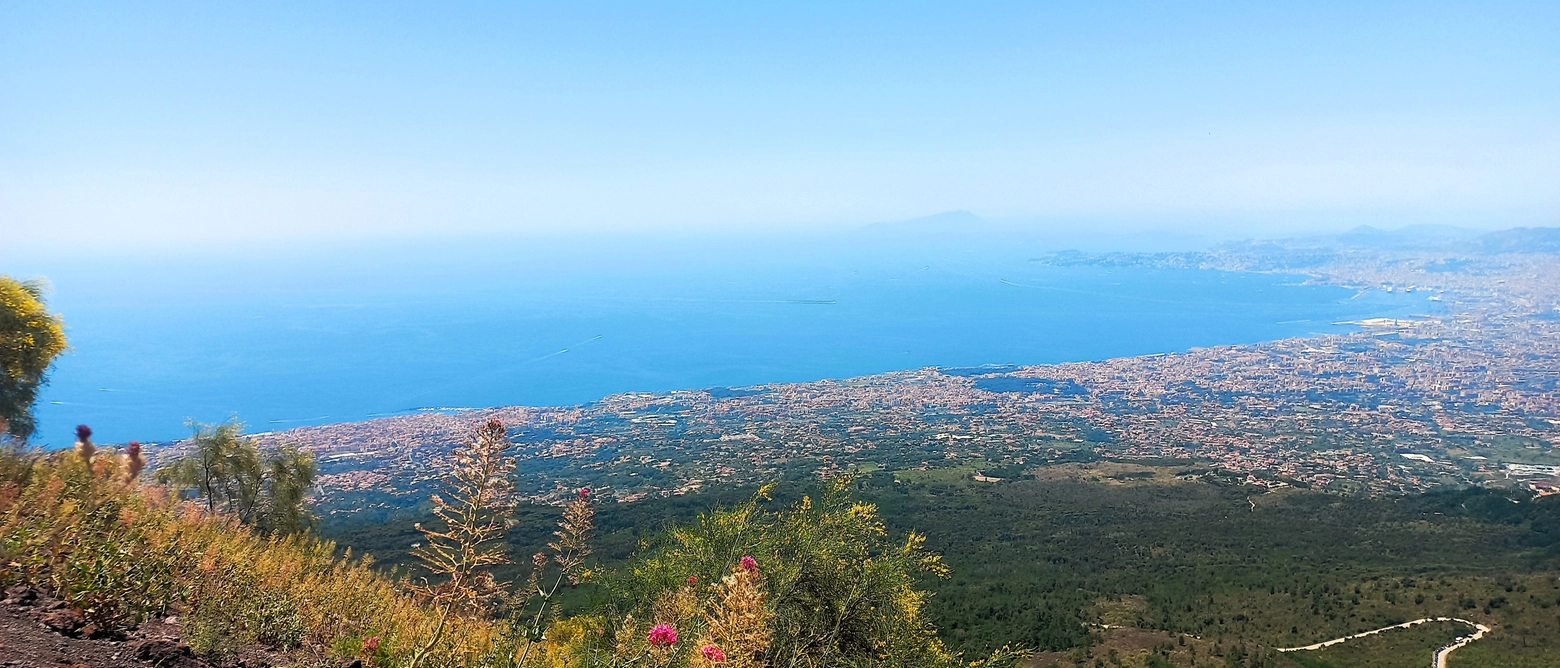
[(693, 579), (83, 432), (371, 644), (133, 448), (712, 653), (584, 493), (749, 564), (663, 635)]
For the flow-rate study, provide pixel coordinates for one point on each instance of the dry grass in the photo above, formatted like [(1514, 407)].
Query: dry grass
[(124, 553), (827, 587)]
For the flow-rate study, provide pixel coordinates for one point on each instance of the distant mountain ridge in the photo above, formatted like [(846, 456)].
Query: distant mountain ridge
[(962, 227), (1522, 240)]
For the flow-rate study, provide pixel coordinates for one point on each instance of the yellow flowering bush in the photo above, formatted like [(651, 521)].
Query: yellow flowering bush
[(819, 584)]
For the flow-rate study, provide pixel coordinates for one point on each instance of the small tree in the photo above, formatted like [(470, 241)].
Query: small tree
[(230, 474), (30, 339), (291, 471), (819, 584)]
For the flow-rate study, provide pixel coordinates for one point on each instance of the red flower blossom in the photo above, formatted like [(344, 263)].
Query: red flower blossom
[(663, 635), (749, 564), (712, 653), (693, 579)]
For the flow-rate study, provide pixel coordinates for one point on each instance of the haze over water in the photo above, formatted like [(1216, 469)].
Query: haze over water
[(138, 129), (335, 339)]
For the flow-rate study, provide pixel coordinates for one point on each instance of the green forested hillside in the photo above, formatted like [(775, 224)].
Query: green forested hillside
[(1033, 558), (1043, 563), (1038, 561)]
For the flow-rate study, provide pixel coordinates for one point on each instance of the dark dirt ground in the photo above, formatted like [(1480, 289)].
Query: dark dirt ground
[(37, 631)]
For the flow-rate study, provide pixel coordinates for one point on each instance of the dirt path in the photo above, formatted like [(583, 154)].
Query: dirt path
[(1441, 654), (38, 632), (1438, 660)]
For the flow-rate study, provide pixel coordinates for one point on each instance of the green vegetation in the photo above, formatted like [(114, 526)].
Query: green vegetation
[(1033, 561), (228, 473), (30, 339), (819, 584), (837, 589), (1399, 648), (1041, 562)]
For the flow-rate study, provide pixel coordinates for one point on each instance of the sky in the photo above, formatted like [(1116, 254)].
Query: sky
[(198, 126)]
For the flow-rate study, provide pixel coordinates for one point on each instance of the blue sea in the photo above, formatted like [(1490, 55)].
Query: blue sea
[(281, 340)]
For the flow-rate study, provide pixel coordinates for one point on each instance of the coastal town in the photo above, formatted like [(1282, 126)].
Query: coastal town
[(1469, 395)]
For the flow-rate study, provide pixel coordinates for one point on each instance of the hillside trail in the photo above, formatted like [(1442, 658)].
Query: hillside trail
[(39, 631), (1437, 660)]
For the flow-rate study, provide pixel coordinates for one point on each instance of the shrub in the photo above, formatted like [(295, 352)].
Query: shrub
[(30, 339), (17, 460), (817, 584)]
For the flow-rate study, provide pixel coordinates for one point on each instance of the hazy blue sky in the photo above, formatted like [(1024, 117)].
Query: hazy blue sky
[(141, 123)]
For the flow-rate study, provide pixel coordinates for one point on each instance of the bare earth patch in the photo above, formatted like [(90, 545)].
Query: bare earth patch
[(37, 631)]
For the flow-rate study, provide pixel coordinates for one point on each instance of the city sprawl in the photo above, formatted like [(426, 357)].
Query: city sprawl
[(1464, 394)]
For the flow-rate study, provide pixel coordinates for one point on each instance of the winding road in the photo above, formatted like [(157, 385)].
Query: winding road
[(1437, 660)]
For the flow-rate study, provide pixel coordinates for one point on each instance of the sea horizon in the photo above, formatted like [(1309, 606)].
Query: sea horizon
[(287, 348)]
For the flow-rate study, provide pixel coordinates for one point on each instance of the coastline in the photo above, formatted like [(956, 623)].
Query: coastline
[(709, 346)]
